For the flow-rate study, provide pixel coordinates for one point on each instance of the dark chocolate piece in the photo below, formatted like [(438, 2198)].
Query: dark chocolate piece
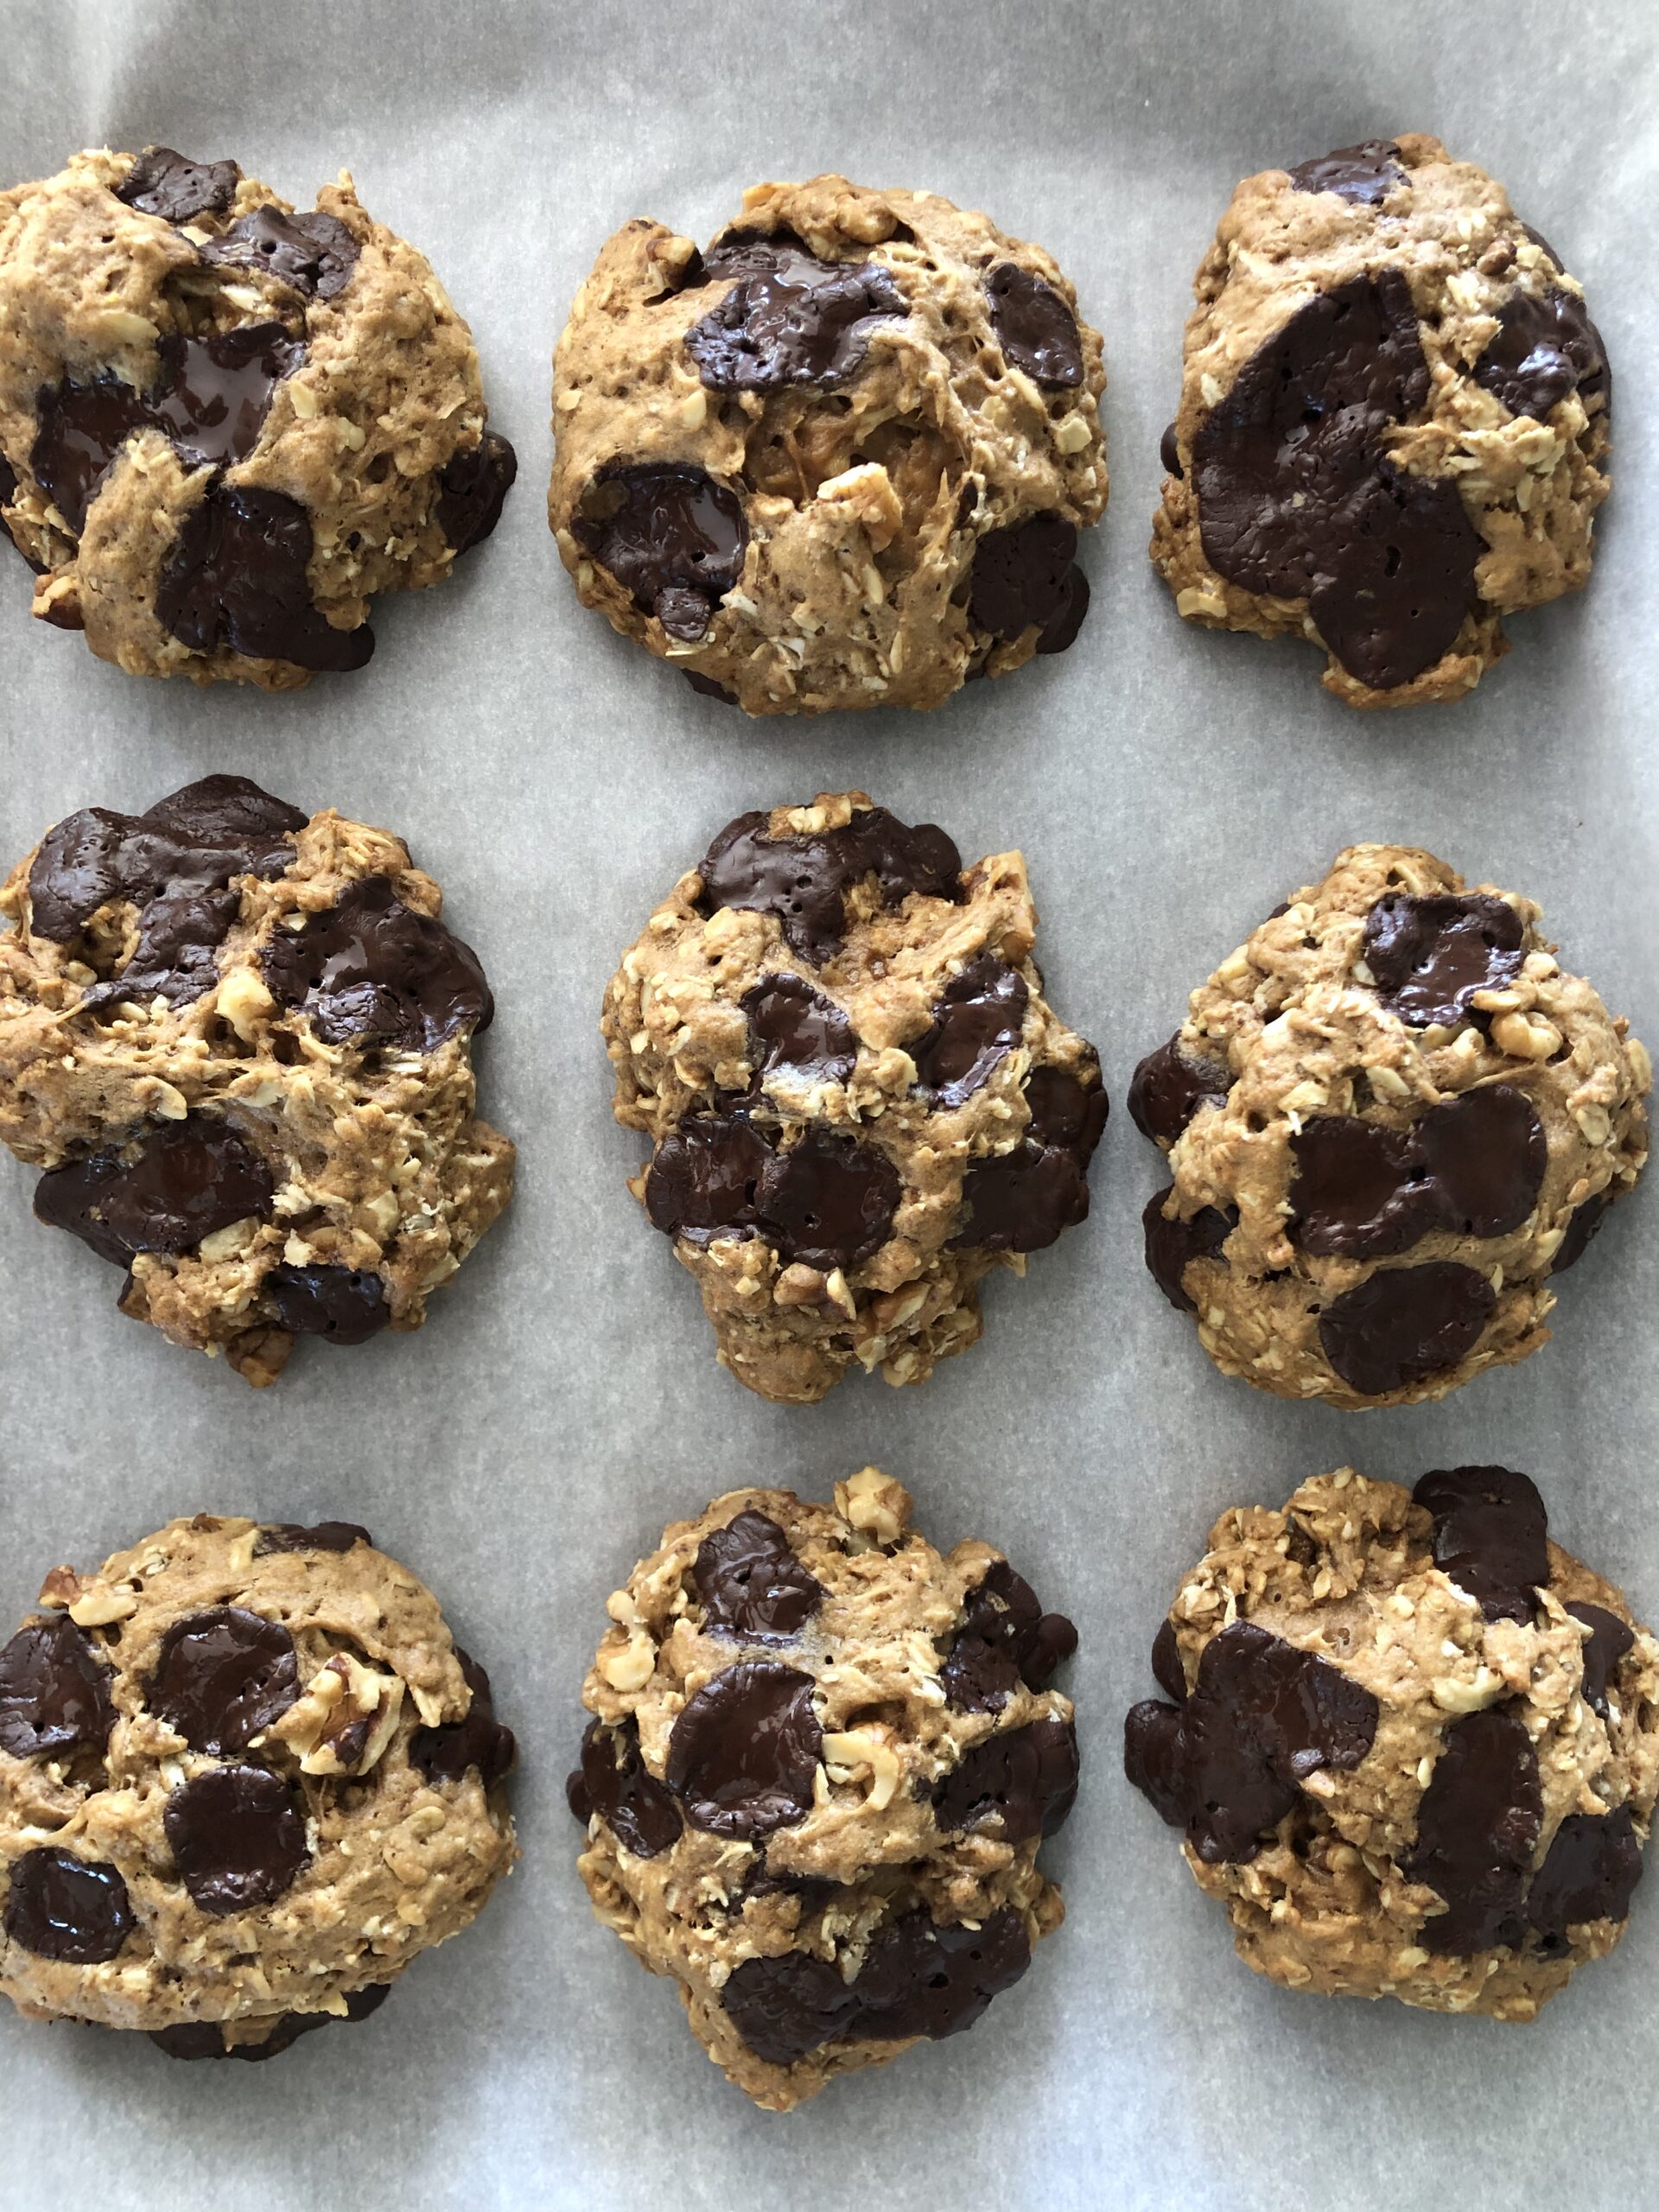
[(222, 1677), (977, 1021), (1428, 956), (1025, 577), (1402, 1325), (1023, 1200), (1168, 1088), (802, 1034), (206, 2038), (313, 252), (1491, 1536), (54, 1690), (75, 1911), (478, 1743), (323, 1536), (237, 1836), (671, 536), (828, 1201), (1034, 327), (164, 184), (1477, 1827), (473, 485), (237, 578), (1171, 1246), (1590, 1872), (790, 320), (1365, 173), (1610, 1639), (1471, 1166), (744, 1750), (343, 1306), (702, 1179), (803, 880), (1581, 1225), (1544, 350), (1025, 1780), (374, 971), (614, 1781), (1004, 1638), (751, 1583), (184, 1180)]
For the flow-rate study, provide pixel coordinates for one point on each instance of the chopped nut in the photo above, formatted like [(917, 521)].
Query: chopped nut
[(100, 1605), (1525, 1036), (345, 1719), (875, 1504)]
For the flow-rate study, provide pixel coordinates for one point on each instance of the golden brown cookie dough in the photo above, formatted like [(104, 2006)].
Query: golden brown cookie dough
[(859, 1101), (1392, 1119), (1412, 1744), (240, 1043), (224, 425), (838, 460), (823, 1765), (245, 1776), (1393, 422)]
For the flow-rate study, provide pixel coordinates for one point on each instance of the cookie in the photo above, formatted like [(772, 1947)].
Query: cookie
[(238, 1042), (839, 458), (1393, 1119), (821, 1766), (1393, 422), (1411, 1744), (246, 1775), (225, 424), (859, 1102)]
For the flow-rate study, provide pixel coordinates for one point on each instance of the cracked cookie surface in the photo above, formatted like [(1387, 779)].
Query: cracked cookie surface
[(1411, 1743), (1392, 1119), (238, 1042), (1394, 424), (225, 424), (859, 1099), (839, 459), (245, 1778), (823, 1762)]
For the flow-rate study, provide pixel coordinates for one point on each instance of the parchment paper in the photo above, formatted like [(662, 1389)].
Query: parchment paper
[(1168, 788)]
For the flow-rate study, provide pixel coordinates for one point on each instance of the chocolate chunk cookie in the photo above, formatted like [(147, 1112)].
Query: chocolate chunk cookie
[(838, 458), (238, 1042), (225, 424), (859, 1099), (221, 1818), (822, 1765), (1393, 1119), (1393, 422), (1410, 1742)]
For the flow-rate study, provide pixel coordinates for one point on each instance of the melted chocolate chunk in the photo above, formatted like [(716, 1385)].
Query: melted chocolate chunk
[(238, 1837), (222, 1677), (829, 1201), (803, 880), (1471, 1166), (1023, 1200), (977, 1022), (707, 686), (1490, 1537), (1171, 1245), (1365, 173), (1486, 1155), (1404, 1324), (1590, 1872), (1005, 1637), (789, 318), (671, 536), (8, 482), (1026, 576), (472, 485), (1169, 452), (374, 972), (1581, 1225), (73, 1911), (478, 1743), (703, 1180), (170, 185), (82, 427), (324, 1536), (1428, 956), (1542, 351), (54, 1690), (1610, 1639), (1167, 1670), (237, 578), (1477, 1827), (916, 1979), (751, 1583), (1297, 497), (1034, 327), (802, 1035), (1168, 1088), (1227, 1762), (1025, 1781), (315, 253), (614, 1782), (206, 2038), (745, 1749), (343, 1306), (185, 1180)]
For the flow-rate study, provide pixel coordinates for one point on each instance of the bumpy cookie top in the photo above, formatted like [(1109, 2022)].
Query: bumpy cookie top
[(1411, 1742), (860, 1099), (1393, 421), (223, 424), (1391, 1117), (838, 460), (823, 1761), (245, 1772)]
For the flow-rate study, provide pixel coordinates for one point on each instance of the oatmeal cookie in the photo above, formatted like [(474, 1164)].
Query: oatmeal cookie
[(1412, 1744), (239, 1043), (245, 1776), (859, 1100), (1392, 1119), (1393, 422), (224, 425), (839, 459), (823, 1765)]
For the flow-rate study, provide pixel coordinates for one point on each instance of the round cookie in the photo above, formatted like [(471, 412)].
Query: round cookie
[(1393, 422), (239, 1043), (1392, 1120), (1412, 1744), (245, 1776), (859, 1100), (224, 425), (823, 1762), (839, 458)]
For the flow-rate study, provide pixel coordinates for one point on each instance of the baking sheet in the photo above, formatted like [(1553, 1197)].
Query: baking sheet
[(1168, 787)]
